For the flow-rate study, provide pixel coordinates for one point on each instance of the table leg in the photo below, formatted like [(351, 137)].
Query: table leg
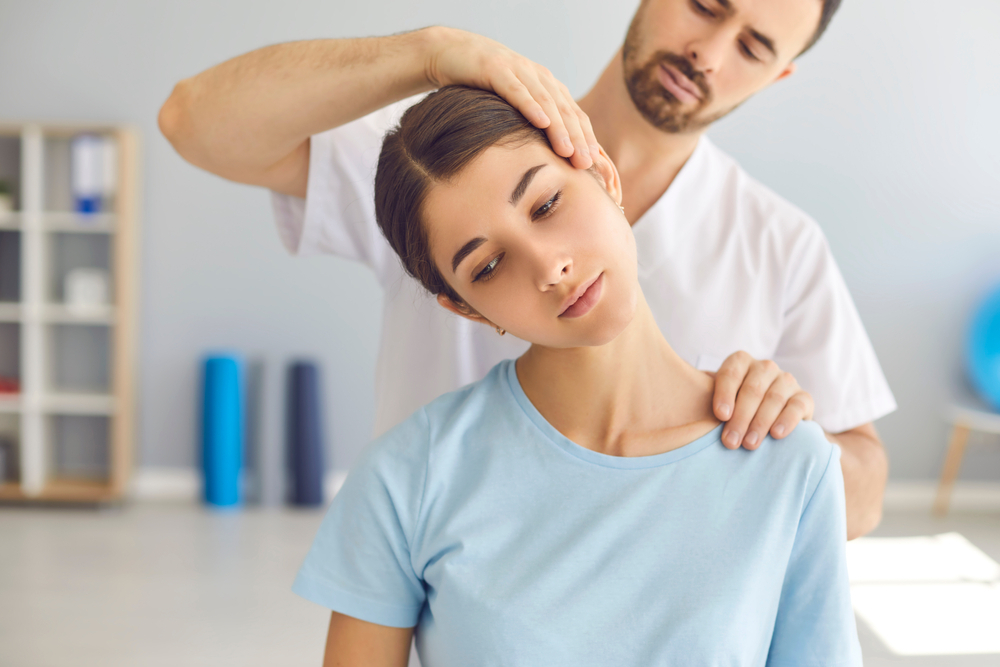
[(952, 463)]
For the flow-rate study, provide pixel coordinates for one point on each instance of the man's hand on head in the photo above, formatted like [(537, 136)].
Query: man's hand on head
[(460, 57), (755, 398)]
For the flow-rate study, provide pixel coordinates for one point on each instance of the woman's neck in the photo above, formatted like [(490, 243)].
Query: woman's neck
[(631, 397)]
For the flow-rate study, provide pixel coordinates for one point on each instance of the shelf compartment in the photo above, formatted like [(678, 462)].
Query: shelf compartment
[(10, 358), (68, 252), (78, 445), (80, 359), (10, 449), (58, 170), (10, 169), (10, 265)]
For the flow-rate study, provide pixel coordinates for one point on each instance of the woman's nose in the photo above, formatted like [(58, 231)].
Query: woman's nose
[(553, 270)]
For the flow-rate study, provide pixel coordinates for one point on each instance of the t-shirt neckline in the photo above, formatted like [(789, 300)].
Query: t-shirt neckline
[(509, 373)]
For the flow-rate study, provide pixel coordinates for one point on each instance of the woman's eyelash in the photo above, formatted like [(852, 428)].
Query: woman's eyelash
[(546, 209), (747, 52), (702, 8), (489, 270)]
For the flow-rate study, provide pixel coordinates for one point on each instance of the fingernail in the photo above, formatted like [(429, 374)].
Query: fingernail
[(595, 149), (586, 152), (779, 430), (567, 144), (733, 439), (724, 411), (752, 438)]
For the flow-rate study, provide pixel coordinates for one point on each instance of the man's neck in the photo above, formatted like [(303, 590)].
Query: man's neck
[(648, 159)]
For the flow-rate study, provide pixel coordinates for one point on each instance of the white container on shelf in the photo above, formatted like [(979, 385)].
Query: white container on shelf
[(86, 290)]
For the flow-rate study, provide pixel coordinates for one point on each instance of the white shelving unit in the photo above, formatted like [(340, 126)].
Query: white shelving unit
[(47, 417)]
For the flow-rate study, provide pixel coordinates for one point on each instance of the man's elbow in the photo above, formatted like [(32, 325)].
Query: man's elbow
[(174, 116)]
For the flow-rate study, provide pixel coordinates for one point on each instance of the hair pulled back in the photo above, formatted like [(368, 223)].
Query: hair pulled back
[(435, 139)]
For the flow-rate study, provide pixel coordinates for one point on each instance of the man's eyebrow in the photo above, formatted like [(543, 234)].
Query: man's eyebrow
[(523, 184), (465, 251), (765, 40)]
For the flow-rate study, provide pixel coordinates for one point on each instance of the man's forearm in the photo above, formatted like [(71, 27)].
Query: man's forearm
[(242, 117), (866, 469)]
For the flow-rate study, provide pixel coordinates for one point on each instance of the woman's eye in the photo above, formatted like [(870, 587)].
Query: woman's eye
[(488, 270), (702, 9), (546, 209), (747, 52)]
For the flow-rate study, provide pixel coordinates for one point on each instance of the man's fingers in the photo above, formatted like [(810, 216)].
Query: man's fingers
[(799, 406), (517, 94), (759, 379), (775, 400), (728, 380)]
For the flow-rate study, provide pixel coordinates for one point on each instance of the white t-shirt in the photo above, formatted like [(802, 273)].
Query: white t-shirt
[(725, 265)]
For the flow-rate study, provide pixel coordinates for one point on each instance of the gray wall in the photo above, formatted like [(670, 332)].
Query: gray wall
[(884, 135)]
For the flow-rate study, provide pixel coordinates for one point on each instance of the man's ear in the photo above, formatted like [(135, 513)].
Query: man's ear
[(461, 310), (787, 72), (608, 172)]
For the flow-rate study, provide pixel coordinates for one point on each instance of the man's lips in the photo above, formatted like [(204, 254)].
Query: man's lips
[(583, 298), (679, 85)]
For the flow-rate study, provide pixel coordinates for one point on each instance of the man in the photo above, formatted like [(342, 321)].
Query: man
[(732, 271)]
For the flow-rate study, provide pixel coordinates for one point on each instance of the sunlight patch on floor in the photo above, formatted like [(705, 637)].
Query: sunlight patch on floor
[(934, 595)]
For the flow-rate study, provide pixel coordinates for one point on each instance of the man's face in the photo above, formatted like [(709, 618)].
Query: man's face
[(690, 62)]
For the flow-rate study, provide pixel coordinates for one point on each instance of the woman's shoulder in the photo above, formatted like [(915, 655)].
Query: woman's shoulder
[(805, 451), (446, 417)]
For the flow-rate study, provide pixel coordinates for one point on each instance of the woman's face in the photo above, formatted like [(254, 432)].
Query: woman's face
[(536, 246)]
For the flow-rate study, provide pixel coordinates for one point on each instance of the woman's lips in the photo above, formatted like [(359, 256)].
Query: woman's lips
[(582, 304), (679, 85)]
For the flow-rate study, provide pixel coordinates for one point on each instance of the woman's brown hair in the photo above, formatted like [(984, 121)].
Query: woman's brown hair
[(435, 139)]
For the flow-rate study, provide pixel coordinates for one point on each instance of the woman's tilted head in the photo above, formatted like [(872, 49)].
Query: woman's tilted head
[(486, 216)]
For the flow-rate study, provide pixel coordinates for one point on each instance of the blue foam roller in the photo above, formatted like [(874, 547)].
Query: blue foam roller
[(222, 429), (982, 349), (305, 434)]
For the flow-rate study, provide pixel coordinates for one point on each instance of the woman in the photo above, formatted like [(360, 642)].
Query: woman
[(575, 507)]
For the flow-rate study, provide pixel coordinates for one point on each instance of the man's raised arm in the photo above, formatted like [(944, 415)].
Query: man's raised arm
[(249, 119)]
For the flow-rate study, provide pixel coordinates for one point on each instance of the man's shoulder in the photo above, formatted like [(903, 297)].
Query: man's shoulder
[(753, 202)]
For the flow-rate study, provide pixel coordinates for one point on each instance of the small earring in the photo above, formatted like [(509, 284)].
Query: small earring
[(621, 207), (501, 331)]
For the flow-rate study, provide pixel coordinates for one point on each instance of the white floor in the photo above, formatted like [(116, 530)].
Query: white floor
[(154, 585)]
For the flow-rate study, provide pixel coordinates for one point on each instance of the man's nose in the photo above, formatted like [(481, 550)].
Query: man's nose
[(707, 52)]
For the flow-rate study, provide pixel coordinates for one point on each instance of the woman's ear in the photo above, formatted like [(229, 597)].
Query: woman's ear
[(608, 172), (461, 310)]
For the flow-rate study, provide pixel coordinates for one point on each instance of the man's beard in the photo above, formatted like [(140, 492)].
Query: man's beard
[(657, 104)]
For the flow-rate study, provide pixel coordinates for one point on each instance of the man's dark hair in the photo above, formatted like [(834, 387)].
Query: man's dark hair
[(830, 8)]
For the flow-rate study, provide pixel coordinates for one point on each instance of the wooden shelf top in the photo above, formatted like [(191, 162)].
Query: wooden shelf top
[(58, 313), (10, 311), (67, 490), (11, 220)]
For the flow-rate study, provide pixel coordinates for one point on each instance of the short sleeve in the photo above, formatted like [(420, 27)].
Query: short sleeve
[(823, 341), (359, 563), (338, 214), (815, 623)]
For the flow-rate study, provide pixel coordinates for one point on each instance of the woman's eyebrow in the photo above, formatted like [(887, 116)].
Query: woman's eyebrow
[(523, 184), (465, 251)]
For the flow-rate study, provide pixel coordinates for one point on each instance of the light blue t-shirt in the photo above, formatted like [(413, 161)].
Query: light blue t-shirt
[(505, 543)]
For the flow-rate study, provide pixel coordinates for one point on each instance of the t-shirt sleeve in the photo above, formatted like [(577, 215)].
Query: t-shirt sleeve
[(824, 343), (338, 214), (815, 623), (360, 563)]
